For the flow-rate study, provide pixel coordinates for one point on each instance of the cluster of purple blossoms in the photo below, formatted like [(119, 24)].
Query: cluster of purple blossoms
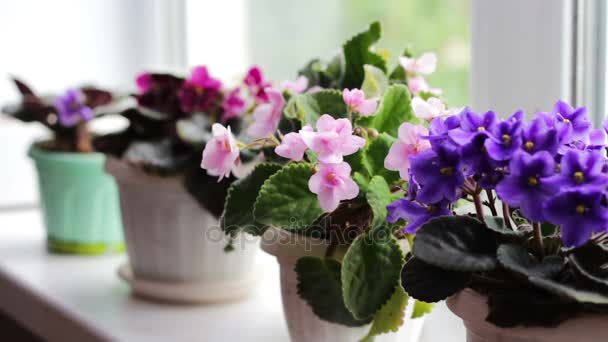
[(552, 168)]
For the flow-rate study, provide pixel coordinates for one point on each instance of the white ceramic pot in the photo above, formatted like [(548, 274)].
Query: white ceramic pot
[(473, 309), (303, 324), (172, 240)]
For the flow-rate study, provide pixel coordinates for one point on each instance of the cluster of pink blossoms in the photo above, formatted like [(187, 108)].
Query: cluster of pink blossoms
[(416, 69), (330, 141)]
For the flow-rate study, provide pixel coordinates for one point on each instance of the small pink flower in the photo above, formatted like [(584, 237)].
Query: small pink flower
[(293, 147), (356, 102), (266, 116), (431, 108), (257, 84), (333, 140), (296, 87), (144, 82), (424, 64), (332, 183), (233, 105), (410, 143), (418, 84), (221, 153)]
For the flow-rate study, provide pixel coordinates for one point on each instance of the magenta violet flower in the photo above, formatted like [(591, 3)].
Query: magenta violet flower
[(221, 153), (71, 108), (525, 186), (579, 213), (257, 84), (416, 214), (332, 183), (267, 115), (409, 144), (439, 174), (357, 103), (234, 105), (200, 92), (159, 92), (333, 140), (144, 82), (293, 147)]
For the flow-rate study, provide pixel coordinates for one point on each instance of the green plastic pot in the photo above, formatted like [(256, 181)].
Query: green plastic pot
[(79, 200)]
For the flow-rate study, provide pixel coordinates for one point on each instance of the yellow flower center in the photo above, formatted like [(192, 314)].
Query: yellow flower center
[(331, 176), (481, 129), (566, 120), (532, 181), (529, 146), (227, 145), (579, 177), (581, 208), (506, 139), (446, 171)]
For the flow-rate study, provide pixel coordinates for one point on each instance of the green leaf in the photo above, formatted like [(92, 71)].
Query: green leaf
[(395, 109), (285, 201), (357, 163), (357, 53), (422, 308), (361, 180), (375, 81), (370, 272), (238, 208), (431, 284), (593, 273), (320, 286), (374, 155), (577, 295), (390, 317), (516, 258), (458, 243), (498, 225), (309, 107), (379, 196)]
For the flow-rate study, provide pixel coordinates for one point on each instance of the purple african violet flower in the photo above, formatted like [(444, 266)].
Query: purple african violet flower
[(200, 92), (439, 129), (439, 174), (71, 108), (580, 213), (576, 120), (471, 125), (526, 187), (505, 137), (538, 135), (256, 83), (416, 214), (581, 170)]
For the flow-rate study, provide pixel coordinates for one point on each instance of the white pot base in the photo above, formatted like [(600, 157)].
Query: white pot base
[(190, 293)]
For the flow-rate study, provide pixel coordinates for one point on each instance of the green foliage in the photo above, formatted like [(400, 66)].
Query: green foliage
[(285, 201), (373, 157), (421, 309), (320, 286), (370, 272), (431, 284), (515, 258), (379, 196), (375, 81), (238, 208), (390, 317), (357, 53), (395, 108), (309, 107)]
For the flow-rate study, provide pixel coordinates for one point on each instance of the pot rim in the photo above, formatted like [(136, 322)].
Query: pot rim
[(37, 153), (471, 306)]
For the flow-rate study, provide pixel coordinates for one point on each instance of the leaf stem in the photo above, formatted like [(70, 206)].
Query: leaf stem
[(506, 215), (478, 207), (491, 202), (538, 240)]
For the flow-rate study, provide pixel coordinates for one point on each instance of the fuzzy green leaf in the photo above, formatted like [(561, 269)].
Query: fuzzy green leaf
[(370, 272), (431, 284), (390, 317), (421, 309), (373, 158), (309, 107), (238, 208), (516, 259), (375, 81), (357, 53), (320, 286), (379, 196), (285, 201), (395, 108)]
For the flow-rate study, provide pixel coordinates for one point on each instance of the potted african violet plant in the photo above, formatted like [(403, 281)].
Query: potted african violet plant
[(170, 209), (319, 200), (526, 261), (79, 200)]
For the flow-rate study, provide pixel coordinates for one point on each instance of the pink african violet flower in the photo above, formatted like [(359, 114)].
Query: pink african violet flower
[(267, 115), (356, 102), (233, 105), (418, 84), (333, 140), (409, 144), (293, 147), (256, 83), (144, 82), (200, 92), (332, 183), (431, 108), (296, 87), (221, 153), (424, 64)]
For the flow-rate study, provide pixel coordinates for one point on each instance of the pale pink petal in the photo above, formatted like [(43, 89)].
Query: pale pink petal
[(368, 107), (397, 159), (349, 189), (327, 200), (326, 123), (427, 63)]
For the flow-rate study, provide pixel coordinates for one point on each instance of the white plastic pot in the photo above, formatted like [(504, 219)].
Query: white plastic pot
[(303, 324), (176, 247)]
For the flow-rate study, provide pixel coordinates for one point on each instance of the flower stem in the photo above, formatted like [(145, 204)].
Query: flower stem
[(478, 207), (538, 240), (506, 215), (491, 202)]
